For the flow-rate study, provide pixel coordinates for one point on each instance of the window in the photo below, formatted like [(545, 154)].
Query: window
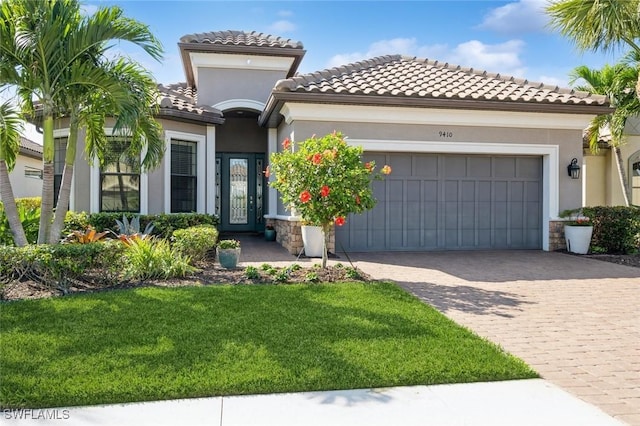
[(120, 179), (634, 177), (59, 154), (184, 155)]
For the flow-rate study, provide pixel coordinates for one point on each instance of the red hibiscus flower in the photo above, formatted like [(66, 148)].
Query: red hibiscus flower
[(386, 170), (324, 192), (368, 166), (339, 220), (305, 196), (286, 144), (317, 159), (267, 172)]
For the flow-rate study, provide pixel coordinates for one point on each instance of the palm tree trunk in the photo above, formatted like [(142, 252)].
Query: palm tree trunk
[(10, 208), (64, 193), (46, 205), (624, 183)]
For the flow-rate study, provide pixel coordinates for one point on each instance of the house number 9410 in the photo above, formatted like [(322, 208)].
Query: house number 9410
[(445, 134)]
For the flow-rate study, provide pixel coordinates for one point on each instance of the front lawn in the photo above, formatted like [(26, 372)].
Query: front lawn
[(164, 343)]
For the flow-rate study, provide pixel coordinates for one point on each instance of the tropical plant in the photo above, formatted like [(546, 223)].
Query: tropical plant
[(10, 127), (129, 230), (50, 52), (618, 83), (323, 180), (85, 236), (154, 258), (598, 24), (28, 217)]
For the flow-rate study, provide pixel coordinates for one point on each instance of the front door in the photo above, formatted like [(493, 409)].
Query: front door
[(241, 186)]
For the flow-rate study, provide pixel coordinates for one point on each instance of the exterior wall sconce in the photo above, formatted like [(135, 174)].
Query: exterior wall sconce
[(574, 169)]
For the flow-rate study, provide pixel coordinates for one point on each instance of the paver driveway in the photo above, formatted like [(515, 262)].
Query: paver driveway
[(575, 320)]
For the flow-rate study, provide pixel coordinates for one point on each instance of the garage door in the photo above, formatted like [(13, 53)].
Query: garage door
[(450, 202)]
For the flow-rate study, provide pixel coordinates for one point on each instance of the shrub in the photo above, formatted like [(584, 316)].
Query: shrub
[(615, 229), (29, 202), (164, 224), (30, 218), (196, 241), (57, 266), (252, 273), (75, 221), (154, 258)]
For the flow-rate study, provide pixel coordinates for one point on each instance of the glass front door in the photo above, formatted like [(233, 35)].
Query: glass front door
[(241, 189)]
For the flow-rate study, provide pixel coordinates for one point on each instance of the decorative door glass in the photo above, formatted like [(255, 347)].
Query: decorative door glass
[(239, 191)]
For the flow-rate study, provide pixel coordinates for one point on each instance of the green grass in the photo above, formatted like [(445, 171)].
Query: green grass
[(164, 343)]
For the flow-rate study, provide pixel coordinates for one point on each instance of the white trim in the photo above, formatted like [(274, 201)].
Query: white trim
[(239, 62), (201, 158), (273, 193), (211, 170), (94, 183), (550, 164), (239, 103), (450, 117)]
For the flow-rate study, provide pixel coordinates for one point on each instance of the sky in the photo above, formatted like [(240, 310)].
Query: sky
[(507, 37)]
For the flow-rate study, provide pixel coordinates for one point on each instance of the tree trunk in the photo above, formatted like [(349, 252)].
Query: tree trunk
[(10, 208), (626, 189), (46, 206), (64, 193)]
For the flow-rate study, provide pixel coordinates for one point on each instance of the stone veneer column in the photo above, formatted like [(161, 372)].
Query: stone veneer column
[(556, 235)]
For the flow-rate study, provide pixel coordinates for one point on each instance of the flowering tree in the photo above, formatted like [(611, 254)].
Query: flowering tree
[(323, 180)]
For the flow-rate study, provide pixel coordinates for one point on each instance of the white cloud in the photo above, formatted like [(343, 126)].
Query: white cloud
[(554, 81), (503, 58), (282, 26), (88, 9), (518, 17)]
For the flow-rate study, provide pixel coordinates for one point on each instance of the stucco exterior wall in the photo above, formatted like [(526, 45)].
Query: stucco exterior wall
[(596, 175), (25, 186), (216, 85), (241, 135), (568, 141)]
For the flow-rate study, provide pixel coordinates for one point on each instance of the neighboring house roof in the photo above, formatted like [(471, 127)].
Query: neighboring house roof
[(397, 80), (30, 148), (179, 102), (239, 42)]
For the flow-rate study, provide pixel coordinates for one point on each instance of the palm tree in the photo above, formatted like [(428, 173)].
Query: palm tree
[(10, 127), (617, 82), (598, 24), (54, 51), (128, 93)]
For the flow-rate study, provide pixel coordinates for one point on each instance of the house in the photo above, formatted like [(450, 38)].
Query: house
[(602, 185), (26, 176), (479, 160)]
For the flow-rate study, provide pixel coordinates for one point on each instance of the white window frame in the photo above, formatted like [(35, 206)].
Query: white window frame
[(201, 157), (94, 182)]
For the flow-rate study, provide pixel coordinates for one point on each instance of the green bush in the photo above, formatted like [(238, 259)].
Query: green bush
[(75, 221), (57, 266), (154, 258), (164, 224), (615, 229), (29, 202), (30, 218), (195, 241)]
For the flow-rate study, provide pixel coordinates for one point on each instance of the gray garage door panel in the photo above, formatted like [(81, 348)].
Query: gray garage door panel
[(435, 202)]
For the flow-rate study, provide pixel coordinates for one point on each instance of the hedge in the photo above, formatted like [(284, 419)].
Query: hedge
[(615, 229)]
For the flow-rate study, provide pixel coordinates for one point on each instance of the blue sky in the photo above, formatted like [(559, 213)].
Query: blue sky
[(509, 37)]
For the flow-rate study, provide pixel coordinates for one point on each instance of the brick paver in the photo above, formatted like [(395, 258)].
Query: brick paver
[(575, 320)]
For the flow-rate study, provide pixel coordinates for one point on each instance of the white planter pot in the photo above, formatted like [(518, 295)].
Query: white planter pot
[(313, 240), (578, 238)]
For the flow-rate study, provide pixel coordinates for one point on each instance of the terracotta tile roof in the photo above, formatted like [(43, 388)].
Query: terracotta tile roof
[(181, 101), (405, 77), (241, 38), (30, 148)]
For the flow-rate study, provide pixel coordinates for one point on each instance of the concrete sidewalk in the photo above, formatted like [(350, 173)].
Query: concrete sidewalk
[(521, 402)]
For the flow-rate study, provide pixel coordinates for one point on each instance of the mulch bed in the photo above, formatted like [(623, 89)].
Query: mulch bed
[(209, 273)]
